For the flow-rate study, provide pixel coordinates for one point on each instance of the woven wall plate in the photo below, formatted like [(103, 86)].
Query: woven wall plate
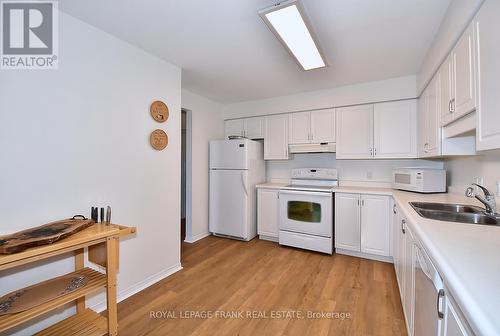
[(158, 139), (159, 111)]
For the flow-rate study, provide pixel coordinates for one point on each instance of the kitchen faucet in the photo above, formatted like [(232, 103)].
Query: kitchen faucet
[(488, 200)]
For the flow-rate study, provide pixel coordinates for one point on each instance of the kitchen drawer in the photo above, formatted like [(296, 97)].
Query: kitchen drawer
[(314, 243)]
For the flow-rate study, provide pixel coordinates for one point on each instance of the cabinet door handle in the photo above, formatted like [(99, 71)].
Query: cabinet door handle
[(358, 202), (394, 209), (371, 151), (362, 202), (440, 297), (374, 152), (453, 105), (403, 223), (449, 106)]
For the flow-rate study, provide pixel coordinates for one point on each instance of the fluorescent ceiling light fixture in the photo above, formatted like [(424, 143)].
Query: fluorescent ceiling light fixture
[(288, 22)]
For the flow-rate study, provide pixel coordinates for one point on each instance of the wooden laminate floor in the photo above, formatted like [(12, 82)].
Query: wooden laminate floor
[(228, 281)]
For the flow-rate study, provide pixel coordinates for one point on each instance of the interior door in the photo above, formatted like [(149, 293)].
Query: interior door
[(228, 206), (395, 129), (354, 132), (323, 126), (300, 128)]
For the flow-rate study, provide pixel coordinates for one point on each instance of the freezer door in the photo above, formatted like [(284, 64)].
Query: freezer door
[(229, 154), (228, 213)]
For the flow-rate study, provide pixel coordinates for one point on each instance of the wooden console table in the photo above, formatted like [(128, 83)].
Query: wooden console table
[(102, 242)]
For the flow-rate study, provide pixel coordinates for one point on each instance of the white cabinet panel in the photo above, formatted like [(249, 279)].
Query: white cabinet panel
[(447, 90), (276, 137), (488, 115), (395, 130), (254, 128), (300, 130), (323, 126), (409, 279), (268, 212), (465, 89), (354, 132), (454, 323), (234, 127), (347, 221), (430, 120), (375, 224)]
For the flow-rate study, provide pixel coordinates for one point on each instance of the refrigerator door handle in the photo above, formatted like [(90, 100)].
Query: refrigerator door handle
[(243, 181)]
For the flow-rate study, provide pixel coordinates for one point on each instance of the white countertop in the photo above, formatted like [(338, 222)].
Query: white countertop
[(271, 185), (467, 256)]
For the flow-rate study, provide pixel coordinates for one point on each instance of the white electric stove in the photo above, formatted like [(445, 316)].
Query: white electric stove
[(306, 209)]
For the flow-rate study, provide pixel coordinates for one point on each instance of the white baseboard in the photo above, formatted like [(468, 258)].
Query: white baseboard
[(134, 289), (269, 238), (197, 237), (364, 255)]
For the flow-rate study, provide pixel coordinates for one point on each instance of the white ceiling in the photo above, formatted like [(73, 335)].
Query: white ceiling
[(228, 54)]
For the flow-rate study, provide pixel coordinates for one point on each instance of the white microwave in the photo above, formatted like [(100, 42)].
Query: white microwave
[(421, 180)]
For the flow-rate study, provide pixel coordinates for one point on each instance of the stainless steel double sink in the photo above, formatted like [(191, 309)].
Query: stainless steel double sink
[(454, 213)]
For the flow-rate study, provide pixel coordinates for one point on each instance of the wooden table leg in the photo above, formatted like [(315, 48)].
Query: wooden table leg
[(111, 263), (79, 264)]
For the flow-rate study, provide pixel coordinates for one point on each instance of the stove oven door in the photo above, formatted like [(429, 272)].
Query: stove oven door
[(306, 212)]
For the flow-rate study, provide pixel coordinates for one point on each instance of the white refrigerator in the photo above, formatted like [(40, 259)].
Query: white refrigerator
[(236, 167)]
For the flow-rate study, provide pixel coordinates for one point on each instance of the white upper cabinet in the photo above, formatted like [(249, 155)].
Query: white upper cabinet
[(276, 137), (488, 115), (429, 120), (447, 90), (312, 127), (465, 74), (299, 128), (234, 127), (323, 126), (380, 131), (395, 130), (254, 128), (355, 132)]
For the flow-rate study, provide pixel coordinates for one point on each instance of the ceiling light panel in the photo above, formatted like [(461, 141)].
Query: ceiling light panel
[(288, 22)]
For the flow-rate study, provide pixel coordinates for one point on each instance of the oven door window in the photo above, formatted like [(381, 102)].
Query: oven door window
[(304, 211)]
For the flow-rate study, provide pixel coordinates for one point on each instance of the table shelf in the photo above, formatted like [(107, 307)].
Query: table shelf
[(95, 281), (86, 323)]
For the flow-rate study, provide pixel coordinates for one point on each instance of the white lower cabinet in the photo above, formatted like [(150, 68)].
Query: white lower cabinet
[(362, 223), (268, 213), (347, 222), (454, 322)]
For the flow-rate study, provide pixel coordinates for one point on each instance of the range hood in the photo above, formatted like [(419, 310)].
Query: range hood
[(323, 147)]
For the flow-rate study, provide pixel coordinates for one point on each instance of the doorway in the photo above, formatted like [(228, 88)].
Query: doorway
[(186, 134)]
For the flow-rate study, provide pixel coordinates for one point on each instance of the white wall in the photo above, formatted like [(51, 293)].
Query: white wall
[(392, 89), (205, 123), (457, 18), (79, 136), (463, 171), (374, 173)]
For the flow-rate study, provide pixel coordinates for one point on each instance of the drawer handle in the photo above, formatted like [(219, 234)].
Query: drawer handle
[(438, 303)]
